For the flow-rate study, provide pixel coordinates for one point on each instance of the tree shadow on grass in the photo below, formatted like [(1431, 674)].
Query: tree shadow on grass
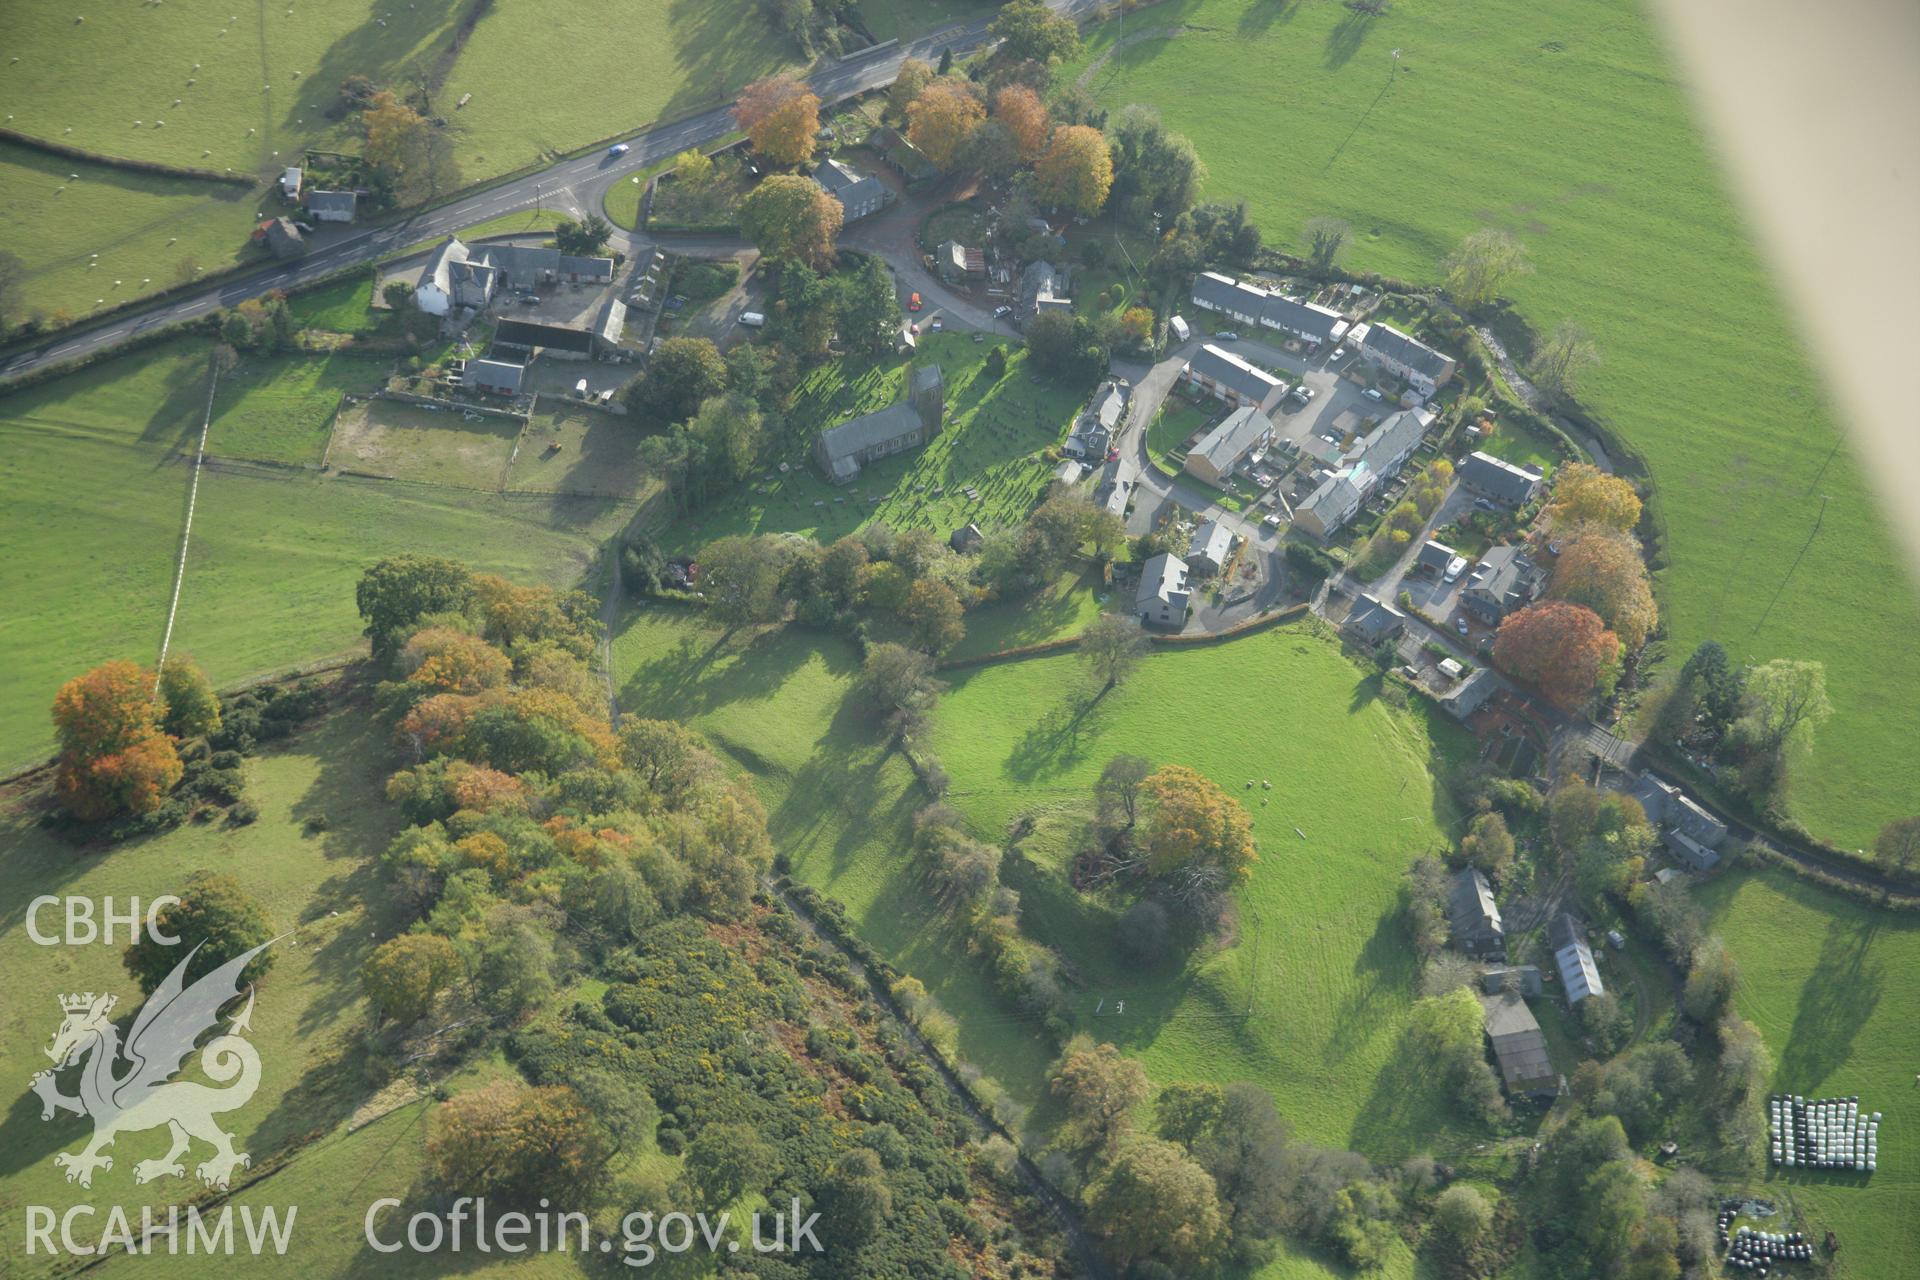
[(1057, 741), (711, 669), (1835, 1002), (1382, 971), (1344, 41), (1400, 1114), (1262, 14)]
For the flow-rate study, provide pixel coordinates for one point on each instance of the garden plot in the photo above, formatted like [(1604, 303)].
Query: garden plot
[(394, 441)]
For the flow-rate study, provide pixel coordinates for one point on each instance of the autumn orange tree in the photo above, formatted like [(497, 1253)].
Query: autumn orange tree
[(449, 661), (1564, 649), (780, 116), (1601, 568), (1194, 830), (114, 758), (789, 218), (943, 118), (1020, 111), (1584, 494), (517, 1144), (1076, 171)]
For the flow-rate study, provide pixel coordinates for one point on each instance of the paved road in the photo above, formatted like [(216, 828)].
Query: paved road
[(580, 183)]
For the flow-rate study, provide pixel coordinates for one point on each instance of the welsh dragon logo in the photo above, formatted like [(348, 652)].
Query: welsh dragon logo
[(143, 1095)]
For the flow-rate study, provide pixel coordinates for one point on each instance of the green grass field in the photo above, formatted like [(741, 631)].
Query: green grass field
[(1829, 983), (1320, 955), (309, 1013), (992, 439), (1172, 427), (1310, 1003), (1564, 123), (281, 408), (424, 446), (597, 455), (92, 486)]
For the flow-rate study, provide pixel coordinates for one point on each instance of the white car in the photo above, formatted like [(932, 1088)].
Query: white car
[(1455, 567), (1272, 521), (1339, 353), (1373, 393), (1460, 625)]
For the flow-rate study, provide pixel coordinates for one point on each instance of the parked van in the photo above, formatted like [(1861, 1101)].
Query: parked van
[(580, 389), (752, 319)]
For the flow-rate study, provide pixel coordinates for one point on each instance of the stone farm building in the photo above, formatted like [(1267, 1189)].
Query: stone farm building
[(1225, 376), (1412, 361), (1228, 444), (1474, 917), (1498, 480), (1519, 1046), (1691, 834), (1579, 975), (1161, 599), (859, 194), (1355, 471), (1268, 308), (459, 275), (841, 451)]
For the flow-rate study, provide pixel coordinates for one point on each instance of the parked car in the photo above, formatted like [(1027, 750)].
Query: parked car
[(1460, 625), (1486, 504), (1455, 567), (1339, 353), (618, 149), (1227, 335), (913, 303), (1373, 393), (1002, 312), (1303, 393), (914, 328), (936, 324), (1272, 521)]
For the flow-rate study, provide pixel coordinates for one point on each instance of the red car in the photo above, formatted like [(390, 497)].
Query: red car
[(913, 303)]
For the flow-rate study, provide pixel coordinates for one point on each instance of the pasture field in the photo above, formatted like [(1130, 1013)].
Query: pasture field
[(96, 499), (1063, 609), (426, 446), (992, 441), (309, 1014), (597, 455), (255, 86), (151, 231), (281, 408), (1312, 1000), (1829, 981), (345, 306), (776, 703), (1565, 124)]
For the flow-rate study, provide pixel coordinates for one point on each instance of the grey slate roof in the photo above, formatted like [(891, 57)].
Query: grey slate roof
[(1270, 308), (1494, 980), (1519, 1046), (1472, 914), (498, 374), (1234, 436), (1499, 479), (1231, 371), (1388, 341), (1211, 541), (1471, 694), (1374, 620), (869, 429), (1434, 556), (1504, 581), (331, 201)]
